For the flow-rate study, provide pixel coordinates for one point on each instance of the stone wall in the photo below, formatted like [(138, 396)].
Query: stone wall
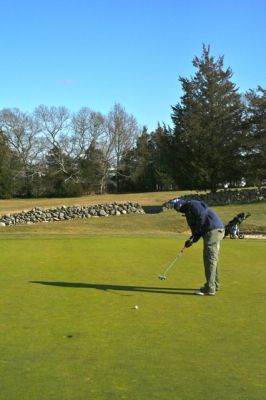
[(224, 197), (37, 215), (63, 213)]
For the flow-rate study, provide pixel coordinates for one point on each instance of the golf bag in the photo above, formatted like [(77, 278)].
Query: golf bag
[(232, 228)]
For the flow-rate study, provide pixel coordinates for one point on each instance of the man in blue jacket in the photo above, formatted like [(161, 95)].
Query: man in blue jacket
[(204, 223)]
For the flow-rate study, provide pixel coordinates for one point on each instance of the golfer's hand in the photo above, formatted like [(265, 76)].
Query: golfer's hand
[(188, 242)]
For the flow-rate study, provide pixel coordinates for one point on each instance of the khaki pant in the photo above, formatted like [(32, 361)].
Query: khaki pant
[(211, 249)]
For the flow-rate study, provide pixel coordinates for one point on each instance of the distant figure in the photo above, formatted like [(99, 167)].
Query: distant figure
[(204, 223)]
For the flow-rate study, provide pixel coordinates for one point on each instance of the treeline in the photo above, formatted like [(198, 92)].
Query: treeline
[(218, 138), (53, 152)]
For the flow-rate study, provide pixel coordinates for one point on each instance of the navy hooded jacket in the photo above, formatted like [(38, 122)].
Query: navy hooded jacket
[(200, 218)]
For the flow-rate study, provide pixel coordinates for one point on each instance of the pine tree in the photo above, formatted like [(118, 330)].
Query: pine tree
[(144, 173), (146, 167), (207, 127), (160, 156), (91, 169), (60, 175), (9, 167), (254, 147)]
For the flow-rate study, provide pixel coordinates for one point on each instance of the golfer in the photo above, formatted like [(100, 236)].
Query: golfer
[(204, 223)]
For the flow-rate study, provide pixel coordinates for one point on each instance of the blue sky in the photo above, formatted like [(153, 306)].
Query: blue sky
[(97, 52)]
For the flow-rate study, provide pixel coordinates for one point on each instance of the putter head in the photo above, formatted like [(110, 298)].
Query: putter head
[(162, 277)]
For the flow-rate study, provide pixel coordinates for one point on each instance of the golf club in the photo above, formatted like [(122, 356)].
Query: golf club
[(162, 277)]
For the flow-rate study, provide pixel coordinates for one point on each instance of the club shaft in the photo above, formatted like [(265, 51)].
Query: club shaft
[(173, 262)]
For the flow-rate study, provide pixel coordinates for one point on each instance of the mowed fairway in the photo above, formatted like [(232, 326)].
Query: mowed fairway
[(68, 329)]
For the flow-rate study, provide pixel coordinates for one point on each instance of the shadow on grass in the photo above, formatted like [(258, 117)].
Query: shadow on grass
[(110, 287), (152, 209)]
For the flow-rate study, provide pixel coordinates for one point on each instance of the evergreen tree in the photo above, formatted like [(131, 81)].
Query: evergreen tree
[(127, 171), (60, 176), (160, 156), (145, 167), (144, 175), (9, 167), (254, 147), (207, 127), (91, 169)]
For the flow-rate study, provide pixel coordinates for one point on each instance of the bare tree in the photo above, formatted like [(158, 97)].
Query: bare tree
[(55, 124), (112, 135), (23, 134), (107, 145), (123, 131), (87, 127), (54, 143)]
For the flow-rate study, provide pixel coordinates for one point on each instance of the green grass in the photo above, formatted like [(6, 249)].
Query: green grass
[(149, 198), (167, 223), (68, 329), (154, 198)]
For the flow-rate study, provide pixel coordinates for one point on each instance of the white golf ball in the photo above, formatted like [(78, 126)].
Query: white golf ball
[(136, 307)]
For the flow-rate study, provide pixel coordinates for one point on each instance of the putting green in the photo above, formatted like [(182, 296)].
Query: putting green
[(69, 329)]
